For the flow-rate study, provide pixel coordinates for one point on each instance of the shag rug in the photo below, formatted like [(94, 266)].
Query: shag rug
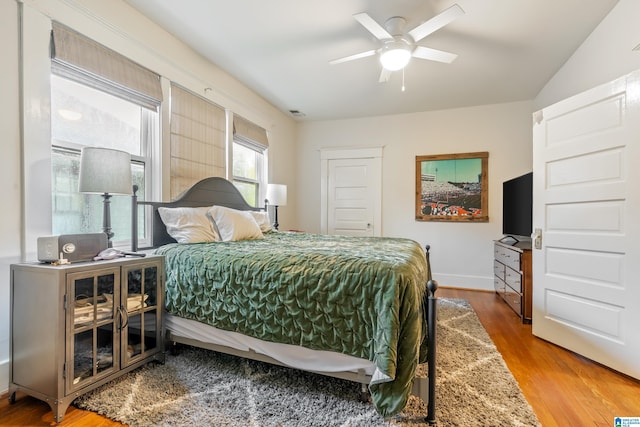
[(203, 388)]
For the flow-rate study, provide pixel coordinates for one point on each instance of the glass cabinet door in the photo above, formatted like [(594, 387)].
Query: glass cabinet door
[(142, 331), (92, 350)]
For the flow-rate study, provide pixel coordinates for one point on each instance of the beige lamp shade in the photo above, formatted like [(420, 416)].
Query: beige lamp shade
[(277, 194), (105, 170)]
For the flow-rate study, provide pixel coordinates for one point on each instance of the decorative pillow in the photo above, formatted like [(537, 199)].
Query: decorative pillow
[(234, 225), (262, 218), (188, 225)]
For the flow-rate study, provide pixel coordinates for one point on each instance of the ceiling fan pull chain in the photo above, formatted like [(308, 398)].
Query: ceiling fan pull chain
[(403, 79)]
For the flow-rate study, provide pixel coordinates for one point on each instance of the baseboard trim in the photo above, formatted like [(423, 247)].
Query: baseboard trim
[(457, 288), (477, 283), (4, 377)]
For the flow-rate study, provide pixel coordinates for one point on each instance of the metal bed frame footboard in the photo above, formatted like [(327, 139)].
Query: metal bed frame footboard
[(432, 318)]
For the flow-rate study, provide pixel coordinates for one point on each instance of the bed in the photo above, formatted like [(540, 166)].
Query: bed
[(361, 309)]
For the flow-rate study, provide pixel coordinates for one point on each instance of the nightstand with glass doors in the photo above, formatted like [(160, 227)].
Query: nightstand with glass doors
[(77, 326)]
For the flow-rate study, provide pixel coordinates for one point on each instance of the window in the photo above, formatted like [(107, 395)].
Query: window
[(98, 98), (247, 172), (249, 160), (83, 116)]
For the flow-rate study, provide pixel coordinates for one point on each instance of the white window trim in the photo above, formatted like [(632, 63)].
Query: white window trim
[(36, 130), (263, 174)]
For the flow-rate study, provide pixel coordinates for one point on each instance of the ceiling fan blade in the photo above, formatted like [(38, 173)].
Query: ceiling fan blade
[(352, 57), (435, 23), (434, 54), (372, 26), (385, 75)]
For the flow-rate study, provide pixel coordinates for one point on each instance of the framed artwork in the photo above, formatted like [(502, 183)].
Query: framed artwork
[(452, 187)]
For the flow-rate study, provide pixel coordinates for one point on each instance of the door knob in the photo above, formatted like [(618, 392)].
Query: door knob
[(537, 238)]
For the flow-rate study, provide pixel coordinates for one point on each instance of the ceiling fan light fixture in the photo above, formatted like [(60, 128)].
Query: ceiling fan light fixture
[(395, 57)]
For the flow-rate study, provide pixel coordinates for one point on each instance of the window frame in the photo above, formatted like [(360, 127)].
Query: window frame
[(149, 146), (260, 181), (253, 137)]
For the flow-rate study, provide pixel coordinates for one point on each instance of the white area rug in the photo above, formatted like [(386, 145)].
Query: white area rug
[(203, 388)]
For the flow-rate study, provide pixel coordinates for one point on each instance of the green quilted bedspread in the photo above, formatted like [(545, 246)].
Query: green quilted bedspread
[(358, 296)]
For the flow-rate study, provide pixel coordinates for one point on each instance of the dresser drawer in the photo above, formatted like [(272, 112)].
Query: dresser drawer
[(507, 256), (513, 279), (498, 269), (499, 286), (513, 299)]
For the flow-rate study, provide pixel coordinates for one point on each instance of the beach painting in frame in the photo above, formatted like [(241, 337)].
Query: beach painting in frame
[(452, 187)]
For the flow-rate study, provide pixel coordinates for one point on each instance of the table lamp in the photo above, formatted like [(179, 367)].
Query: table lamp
[(276, 196), (105, 171)]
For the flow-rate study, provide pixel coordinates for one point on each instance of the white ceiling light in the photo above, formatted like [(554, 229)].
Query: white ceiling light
[(395, 59), (395, 55)]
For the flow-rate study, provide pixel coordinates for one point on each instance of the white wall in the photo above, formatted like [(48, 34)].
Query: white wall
[(604, 56), (461, 253), (10, 218), (23, 164)]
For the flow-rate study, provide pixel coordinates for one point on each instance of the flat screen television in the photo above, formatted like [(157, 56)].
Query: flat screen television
[(517, 206)]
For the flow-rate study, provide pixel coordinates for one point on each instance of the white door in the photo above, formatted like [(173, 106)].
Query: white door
[(586, 269), (350, 197), (352, 193)]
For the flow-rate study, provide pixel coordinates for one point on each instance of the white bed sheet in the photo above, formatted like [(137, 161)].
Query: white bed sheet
[(290, 355)]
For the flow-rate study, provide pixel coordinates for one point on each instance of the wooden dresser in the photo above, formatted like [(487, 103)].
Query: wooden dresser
[(512, 276)]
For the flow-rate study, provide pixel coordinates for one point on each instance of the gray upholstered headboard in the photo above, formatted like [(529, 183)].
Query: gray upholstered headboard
[(208, 192)]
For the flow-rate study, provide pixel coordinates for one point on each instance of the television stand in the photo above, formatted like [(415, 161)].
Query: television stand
[(512, 275)]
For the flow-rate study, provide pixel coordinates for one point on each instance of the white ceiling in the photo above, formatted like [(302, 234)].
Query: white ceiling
[(508, 50)]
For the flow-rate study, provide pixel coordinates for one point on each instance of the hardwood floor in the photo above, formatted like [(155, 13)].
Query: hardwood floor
[(563, 388)]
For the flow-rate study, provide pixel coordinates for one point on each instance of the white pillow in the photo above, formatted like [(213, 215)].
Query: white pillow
[(262, 218), (234, 225), (188, 225)]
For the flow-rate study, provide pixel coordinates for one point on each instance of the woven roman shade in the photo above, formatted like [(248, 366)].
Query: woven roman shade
[(83, 60), (198, 141), (248, 133)]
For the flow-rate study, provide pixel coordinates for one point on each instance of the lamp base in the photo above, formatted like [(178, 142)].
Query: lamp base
[(275, 211), (106, 218)]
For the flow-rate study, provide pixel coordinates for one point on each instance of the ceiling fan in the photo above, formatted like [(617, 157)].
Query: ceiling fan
[(398, 46)]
